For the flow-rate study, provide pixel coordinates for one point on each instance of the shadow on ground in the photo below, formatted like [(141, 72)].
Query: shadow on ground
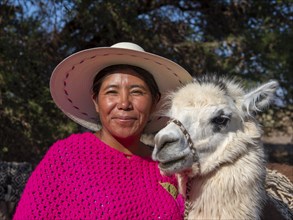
[(280, 158), (279, 153)]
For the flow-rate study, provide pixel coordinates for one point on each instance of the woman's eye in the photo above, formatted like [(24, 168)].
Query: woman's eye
[(111, 92), (137, 92)]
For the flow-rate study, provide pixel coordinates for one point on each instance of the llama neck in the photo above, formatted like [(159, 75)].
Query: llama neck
[(232, 192)]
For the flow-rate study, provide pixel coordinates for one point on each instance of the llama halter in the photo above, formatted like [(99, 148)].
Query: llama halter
[(188, 138)]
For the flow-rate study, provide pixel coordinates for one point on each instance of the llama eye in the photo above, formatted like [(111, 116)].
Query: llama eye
[(221, 120)]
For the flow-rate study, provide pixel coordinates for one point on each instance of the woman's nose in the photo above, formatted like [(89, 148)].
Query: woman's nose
[(124, 102)]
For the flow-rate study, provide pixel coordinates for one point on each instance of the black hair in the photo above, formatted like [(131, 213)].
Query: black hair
[(146, 76)]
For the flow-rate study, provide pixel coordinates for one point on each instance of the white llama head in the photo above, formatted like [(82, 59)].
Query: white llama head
[(216, 113)]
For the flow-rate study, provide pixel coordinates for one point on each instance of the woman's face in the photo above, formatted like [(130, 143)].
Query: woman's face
[(124, 104)]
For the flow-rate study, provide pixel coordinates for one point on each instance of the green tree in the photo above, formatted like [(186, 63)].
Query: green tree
[(29, 119), (248, 39)]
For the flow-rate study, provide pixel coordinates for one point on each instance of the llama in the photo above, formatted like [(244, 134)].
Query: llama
[(213, 141)]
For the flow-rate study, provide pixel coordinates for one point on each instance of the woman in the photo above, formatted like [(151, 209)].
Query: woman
[(108, 174)]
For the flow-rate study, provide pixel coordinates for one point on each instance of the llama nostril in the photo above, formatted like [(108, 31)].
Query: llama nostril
[(168, 143), (163, 146), (164, 142)]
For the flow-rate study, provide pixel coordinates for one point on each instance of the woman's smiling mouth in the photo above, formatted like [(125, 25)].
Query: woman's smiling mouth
[(125, 119)]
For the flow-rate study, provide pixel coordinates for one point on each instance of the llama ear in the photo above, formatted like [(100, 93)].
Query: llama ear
[(260, 98)]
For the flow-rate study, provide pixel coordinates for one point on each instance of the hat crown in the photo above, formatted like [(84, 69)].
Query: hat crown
[(128, 45)]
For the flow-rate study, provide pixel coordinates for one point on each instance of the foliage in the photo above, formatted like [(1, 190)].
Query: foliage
[(251, 40), (29, 118)]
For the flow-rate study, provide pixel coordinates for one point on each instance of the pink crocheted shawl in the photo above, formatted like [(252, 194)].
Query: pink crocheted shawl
[(83, 178)]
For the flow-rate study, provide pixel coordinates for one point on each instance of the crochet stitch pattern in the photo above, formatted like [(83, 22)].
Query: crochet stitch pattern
[(81, 177)]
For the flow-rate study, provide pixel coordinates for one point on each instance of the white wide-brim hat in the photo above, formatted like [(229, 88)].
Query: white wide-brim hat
[(72, 79)]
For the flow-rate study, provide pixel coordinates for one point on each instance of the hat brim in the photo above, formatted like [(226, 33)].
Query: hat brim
[(71, 81)]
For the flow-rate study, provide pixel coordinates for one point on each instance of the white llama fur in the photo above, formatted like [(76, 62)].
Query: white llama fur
[(228, 179)]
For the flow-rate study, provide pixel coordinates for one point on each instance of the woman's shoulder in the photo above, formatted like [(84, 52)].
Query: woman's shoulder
[(67, 149), (84, 136), (76, 139), (72, 143)]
